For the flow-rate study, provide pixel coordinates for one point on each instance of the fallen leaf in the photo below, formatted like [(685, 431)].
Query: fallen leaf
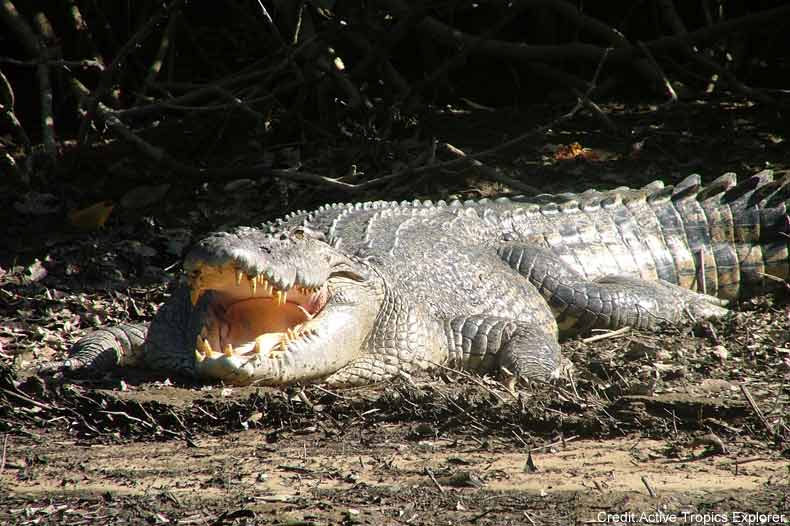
[(575, 151), (36, 271), (92, 217)]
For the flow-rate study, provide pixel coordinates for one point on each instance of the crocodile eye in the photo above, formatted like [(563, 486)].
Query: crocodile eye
[(298, 233)]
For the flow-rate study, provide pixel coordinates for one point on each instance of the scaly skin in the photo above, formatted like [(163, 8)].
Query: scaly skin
[(352, 294)]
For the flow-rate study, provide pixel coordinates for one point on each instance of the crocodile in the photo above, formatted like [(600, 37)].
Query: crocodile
[(361, 293)]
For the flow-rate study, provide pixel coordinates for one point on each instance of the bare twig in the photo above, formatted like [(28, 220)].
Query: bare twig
[(156, 63), (649, 487), (429, 472), (128, 417), (465, 160), (622, 54), (475, 380), (45, 87), (673, 97), (270, 23), (622, 331), (673, 20), (84, 35), (27, 399), (3, 456), (757, 411), (489, 172), (54, 63), (7, 110), (34, 48), (106, 80), (198, 93)]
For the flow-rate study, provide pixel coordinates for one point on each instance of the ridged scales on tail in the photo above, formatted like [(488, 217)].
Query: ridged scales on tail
[(358, 293)]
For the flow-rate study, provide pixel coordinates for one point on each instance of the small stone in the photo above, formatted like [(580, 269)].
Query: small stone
[(715, 385), (637, 350), (720, 352), (425, 430)]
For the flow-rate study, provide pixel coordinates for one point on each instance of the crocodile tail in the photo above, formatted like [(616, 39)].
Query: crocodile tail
[(749, 228)]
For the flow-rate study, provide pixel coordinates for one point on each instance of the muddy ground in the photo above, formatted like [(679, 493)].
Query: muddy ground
[(691, 422)]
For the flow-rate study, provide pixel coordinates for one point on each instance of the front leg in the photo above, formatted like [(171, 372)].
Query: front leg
[(103, 350), (406, 338)]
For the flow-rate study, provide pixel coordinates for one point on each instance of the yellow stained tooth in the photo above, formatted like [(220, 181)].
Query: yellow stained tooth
[(239, 275), (199, 357), (285, 296), (205, 346), (228, 350), (258, 349), (253, 285)]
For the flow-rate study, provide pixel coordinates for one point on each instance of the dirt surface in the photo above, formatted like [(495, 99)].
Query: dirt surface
[(691, 422)]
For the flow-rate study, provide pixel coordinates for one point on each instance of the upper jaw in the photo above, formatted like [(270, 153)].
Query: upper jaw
[(314, 349), (271, 318), (248, 315)]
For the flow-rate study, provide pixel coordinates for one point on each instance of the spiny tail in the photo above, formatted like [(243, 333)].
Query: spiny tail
[(742, 235)]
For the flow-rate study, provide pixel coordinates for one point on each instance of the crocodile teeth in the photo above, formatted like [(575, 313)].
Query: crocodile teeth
[(305, 312), (228, 350), (253, 285), (205, 347), (257, 349), (198, 356), (239, 276)]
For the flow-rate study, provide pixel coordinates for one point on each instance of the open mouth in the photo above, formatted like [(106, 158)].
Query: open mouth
[(249, 316)]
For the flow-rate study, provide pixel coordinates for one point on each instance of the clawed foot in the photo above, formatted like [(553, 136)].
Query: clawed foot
[(698, 306)]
